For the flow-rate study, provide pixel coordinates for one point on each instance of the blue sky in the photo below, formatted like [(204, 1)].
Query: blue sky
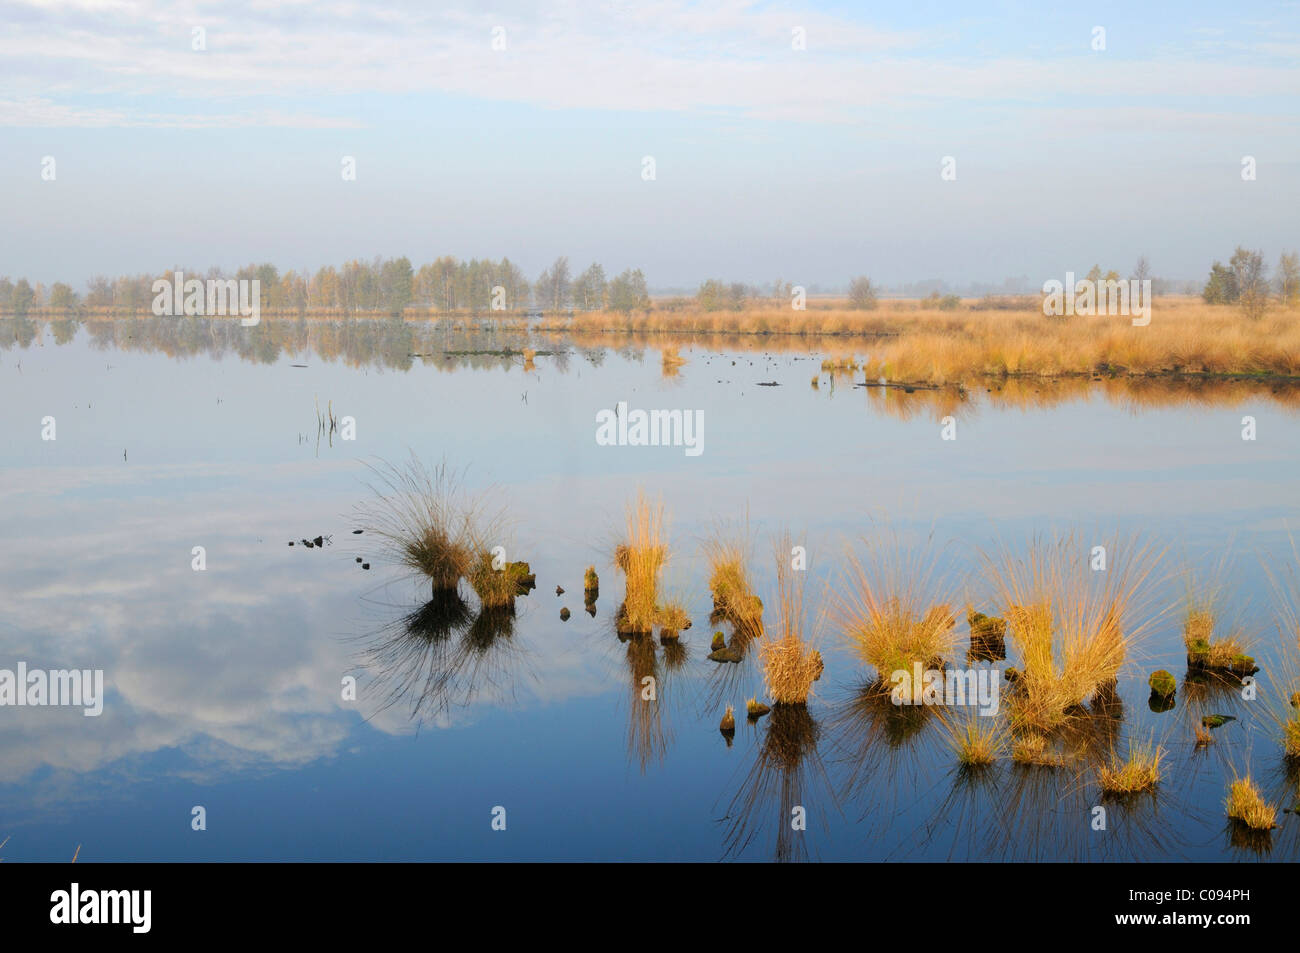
[(771, 162)]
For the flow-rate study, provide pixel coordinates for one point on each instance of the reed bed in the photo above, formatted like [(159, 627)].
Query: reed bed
[(915, 341)]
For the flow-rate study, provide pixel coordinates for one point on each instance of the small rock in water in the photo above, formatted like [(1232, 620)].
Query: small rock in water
[(358, 559), (290, 542), (559, 590), (564, 614), (319, 540), (307, 543), (365, 565), (357, 532)]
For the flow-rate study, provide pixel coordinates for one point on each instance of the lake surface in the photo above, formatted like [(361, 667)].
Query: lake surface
[(223, 686)]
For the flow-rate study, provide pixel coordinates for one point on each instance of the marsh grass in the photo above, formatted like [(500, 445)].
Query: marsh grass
[(1284, 706), (1073, 630), (914, 341), (790, 663), (641, 558), (426, 521), (977, 741), (672, 617), (1139, 772), (1246, 805), (496, 588), (897, 611), (734, 600)]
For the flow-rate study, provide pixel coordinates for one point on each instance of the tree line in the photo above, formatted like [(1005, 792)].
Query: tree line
[(381, 285)]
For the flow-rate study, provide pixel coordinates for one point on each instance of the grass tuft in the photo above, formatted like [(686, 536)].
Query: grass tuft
[(1246, 805)]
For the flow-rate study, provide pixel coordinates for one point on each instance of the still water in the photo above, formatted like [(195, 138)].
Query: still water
[(223, 687)]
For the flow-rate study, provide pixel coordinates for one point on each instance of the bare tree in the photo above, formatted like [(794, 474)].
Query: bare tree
[(862, 293), (1251, 276), (1288, 279), (1142, 270)]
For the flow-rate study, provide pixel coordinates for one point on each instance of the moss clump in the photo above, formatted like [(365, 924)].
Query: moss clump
[(986, 626), (1216, 721), (732, 654), (1242, 665), (591, 581), (564, 614), (755, 709), (1162, 683), (728, 725), (719, 642)]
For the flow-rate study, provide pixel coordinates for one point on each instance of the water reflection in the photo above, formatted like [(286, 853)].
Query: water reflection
[(786, 795), (478, 344)]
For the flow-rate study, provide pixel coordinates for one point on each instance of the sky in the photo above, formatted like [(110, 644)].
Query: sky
[(801, 141)]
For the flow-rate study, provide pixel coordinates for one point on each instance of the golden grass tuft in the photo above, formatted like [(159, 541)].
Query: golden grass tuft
[(1068, 625), (1246, 805), (977, 741), (426, 521), (673, 617), (1139, 772), (641, 558), (495, 588), (733, 595), (790, 663), (894, 616), (1034, 748), (1291, 738)]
